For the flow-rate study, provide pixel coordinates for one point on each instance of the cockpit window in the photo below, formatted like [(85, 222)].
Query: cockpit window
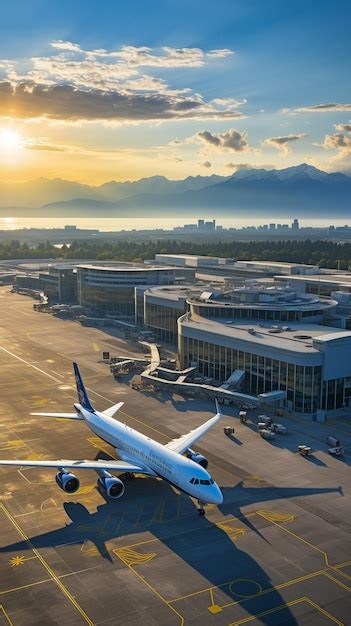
[(196, 481)]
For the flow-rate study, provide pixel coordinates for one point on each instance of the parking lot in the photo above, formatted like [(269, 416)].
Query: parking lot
[(277, 551)]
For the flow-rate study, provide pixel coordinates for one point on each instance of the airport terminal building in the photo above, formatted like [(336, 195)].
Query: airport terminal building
[(110, 289), (277, 337), (162, 307)]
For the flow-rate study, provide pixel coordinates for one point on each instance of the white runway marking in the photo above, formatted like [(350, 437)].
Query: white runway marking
[(19, 358)]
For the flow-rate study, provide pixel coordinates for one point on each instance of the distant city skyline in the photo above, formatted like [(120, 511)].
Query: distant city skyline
[(292, 227), (93, 93)]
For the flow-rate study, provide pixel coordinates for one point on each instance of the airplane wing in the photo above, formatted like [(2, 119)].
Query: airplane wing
[(66, 416), (181, 444), (118, 466), (110, 412)]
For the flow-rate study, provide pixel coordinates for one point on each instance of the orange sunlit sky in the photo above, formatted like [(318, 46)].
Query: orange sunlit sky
[(92, 93)]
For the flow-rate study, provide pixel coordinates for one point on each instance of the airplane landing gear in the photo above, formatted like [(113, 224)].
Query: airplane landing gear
[(129, 476), (201, 510)]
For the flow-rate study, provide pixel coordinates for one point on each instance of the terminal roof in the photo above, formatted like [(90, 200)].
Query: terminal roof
[(293, 337)]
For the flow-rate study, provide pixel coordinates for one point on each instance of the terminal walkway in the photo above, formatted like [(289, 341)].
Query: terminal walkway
[(152, 374)]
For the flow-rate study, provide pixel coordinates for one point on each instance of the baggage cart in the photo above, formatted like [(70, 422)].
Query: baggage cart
[(336, 451), (305, 450), (228, 430), (243, 417), (333, 442), (279, 429), (266, 433)]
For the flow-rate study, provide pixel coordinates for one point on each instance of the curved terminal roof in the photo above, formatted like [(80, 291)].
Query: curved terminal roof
[(258, 296), (123, 267)]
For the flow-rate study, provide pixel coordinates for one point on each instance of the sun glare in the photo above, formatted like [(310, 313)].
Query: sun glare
[(10, 140)]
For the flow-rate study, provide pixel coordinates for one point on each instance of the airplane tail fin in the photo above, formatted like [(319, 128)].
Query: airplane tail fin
[(82, 394)]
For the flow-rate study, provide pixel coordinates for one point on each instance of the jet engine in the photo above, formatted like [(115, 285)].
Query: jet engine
[(110, 485), (67, 482), (197, 458)]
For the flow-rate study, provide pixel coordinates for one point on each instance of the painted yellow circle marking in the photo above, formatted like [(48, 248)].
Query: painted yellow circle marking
[(245, 588)]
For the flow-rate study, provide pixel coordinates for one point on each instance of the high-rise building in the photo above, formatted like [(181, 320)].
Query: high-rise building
[(210, 226), (295, 224)]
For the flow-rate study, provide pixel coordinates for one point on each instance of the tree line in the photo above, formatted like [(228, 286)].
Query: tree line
[(322, 253)]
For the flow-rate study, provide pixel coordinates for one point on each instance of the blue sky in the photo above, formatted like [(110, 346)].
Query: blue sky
[(256, 100)]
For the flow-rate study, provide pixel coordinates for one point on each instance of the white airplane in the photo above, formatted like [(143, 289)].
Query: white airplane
[(175, 462)]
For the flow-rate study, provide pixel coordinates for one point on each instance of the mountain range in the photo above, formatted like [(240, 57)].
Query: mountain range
[(257, 191)]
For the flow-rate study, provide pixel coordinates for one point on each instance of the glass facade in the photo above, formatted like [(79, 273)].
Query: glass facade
[(229, 312), (139, 305), (336, 393), (162, 321), (67, 286), (320, 288), (103, 301), (28, 281), (303, 384), (112, 291)]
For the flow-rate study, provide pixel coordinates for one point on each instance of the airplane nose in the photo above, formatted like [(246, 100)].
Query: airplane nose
[(218, 496)]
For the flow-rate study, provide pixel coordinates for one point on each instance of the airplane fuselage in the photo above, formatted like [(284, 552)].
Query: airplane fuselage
[(160, 461)]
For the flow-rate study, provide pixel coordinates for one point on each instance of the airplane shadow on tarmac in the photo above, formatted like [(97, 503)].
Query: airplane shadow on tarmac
[(203, 546)]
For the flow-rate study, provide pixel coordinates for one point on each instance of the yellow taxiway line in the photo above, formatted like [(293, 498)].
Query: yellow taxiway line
[(47, 567)]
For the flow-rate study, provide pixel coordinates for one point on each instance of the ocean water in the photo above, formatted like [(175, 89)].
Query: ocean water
[(125, 223)]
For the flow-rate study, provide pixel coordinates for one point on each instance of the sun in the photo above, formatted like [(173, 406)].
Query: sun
[(10, 140)]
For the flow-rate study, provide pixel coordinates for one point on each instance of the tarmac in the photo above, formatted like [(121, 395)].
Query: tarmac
[(276, 552)]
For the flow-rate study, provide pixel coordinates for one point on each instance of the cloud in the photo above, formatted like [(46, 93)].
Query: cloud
[(238, 166), (341, 160), (43, 144), (228, 102), (144, 56), (77, 84), (338, 141), (229, 140), (46, 147), (66, 45), (282, 143), (28, 100), (220, 53), (87, 73), (322, 108), (207, 137), (207, 164), (6, 64), (343, 127), (166, 56)]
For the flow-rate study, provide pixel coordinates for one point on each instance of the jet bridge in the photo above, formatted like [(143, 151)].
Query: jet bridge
[(153, 374)]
